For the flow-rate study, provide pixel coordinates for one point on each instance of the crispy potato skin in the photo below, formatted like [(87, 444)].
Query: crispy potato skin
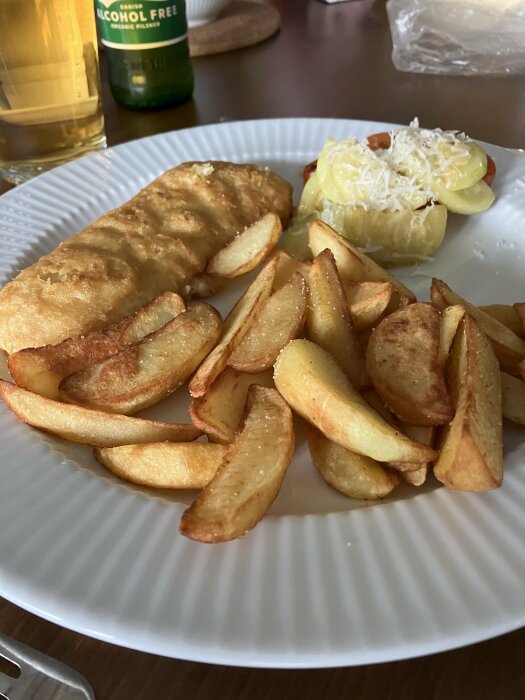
[(513, 398), (250, 475), (236, 325), (329, 321), (163, 465), (403, 363), (353, 475), (219, 412), (144, 373), (279, 320), (41, 369), (87, 426), (509, 347), (247, 250), (471, 455), (154, 243), (315, 386)]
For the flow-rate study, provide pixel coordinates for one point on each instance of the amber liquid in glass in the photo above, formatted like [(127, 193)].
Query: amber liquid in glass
[(50, 106)]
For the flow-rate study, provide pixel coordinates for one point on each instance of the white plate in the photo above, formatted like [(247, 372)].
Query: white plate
[(322, 581)]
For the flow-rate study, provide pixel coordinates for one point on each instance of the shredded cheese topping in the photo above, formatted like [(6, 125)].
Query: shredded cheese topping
[(433, 153), (395, 178)]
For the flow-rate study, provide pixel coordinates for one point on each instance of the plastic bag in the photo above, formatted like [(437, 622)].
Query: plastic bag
[(461, 37)]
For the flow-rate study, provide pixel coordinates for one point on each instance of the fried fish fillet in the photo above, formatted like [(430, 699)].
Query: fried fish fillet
[(154, 243)]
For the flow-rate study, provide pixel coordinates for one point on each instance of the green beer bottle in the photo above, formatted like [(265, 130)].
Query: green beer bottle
[(146, 45)]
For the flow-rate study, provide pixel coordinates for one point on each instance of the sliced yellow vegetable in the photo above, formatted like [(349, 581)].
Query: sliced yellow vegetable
[(471, 200)]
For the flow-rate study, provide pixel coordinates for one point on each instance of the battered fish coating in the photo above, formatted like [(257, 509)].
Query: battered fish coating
[(154, 243)]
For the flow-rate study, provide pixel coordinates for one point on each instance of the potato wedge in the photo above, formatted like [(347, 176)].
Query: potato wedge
[(506, 314), (368, 301), (513, 398), (402, 363), (450, 318), (425, 435), (280, 319), (351, 263), (509, 348), (163, 465), (471, 456), (89, 427), (250, 476), (352, 474), (236, 326), (416, 477), (41, 369), (520, 310), (414, 473), (247, 250), (286, 266), (328, 319), (150, 370), (219, 411), (316, 388)]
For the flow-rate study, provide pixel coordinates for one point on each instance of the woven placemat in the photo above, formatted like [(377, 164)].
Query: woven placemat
[(240, 24)]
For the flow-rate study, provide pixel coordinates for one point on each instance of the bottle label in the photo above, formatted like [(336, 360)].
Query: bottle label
[(148, 24)]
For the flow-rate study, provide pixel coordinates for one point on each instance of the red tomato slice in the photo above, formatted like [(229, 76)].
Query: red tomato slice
[(309, 170), (380, 140), (491, 171)]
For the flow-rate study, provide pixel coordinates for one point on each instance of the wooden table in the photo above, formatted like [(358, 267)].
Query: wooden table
[(327, 61)]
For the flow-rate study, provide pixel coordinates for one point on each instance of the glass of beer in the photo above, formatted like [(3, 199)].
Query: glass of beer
[(50, 104)]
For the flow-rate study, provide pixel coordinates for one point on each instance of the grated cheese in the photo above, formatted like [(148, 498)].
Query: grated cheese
[(396, 178), (434, 153)]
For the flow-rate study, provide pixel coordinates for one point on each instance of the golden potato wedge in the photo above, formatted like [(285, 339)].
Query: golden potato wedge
[(163, 465), (236, 326), (150, 370), (520, 310), (416, 477), (471, 456), (203, 286), (352, 474), (250, 475), (368, 301), (509, 348), (247, 250), (450, 318), (219, 411), (412, 472), (402, 363), (328, 319), (351, 263), (87, 426), (41, 369), (425, 435), (521, 370), (280, 319), (506, 314), (286, 266), (316, 387), (513, 398)]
